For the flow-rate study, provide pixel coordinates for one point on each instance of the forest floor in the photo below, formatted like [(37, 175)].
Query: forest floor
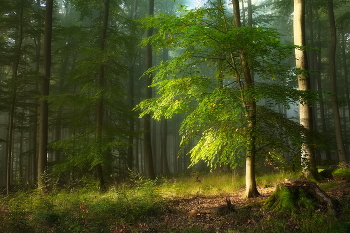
[(174, 205), (195, 214)]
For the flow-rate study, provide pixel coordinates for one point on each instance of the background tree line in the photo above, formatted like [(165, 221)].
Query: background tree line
[(94, 84)]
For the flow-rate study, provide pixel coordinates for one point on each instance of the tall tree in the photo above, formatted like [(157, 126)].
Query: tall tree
[(147, 146), (99, 105), (305, 110), (13, 98), (45, 86), (333, 82), (250, 105), (209, 81)]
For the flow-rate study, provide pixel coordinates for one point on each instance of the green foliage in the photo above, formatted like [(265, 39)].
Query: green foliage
[(204, 82)]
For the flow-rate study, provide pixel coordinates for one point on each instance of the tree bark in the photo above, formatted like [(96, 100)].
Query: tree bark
[(100, 105), (346, 82), (305, 110), (149, 167), (319, 84), (250, 13), (164, 134), (131, 90), (34, 133), (333, 83), (45, 86), (250, 105)]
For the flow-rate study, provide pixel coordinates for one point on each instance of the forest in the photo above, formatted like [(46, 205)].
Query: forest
[(174, 116)]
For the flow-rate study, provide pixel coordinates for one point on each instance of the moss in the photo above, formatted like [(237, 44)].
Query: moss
[(291, 199), (283, 199), (342, 173)]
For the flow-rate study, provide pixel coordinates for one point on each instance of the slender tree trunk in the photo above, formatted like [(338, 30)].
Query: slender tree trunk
[(305, 110), (21, 168), (333, 83), (243, 14), (100, 106), (250, 105), (147, 119), (34, 132), (130, 155), (9, 144), (164, 146), (164, 134), (319, 84), (346, 81), (250, 13), (45, 85)]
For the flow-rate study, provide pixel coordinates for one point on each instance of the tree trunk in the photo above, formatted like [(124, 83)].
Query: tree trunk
[(149, 167), (305, 111), (131, 92), (99, 105), (164, 134), (34, 132), (346, 82), (333, 83), (250, 105), (45, 85), (250, 13), (13, 97), (319, 84)]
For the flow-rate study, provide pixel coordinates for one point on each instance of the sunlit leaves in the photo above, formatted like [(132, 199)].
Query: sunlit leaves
[(204, 81)]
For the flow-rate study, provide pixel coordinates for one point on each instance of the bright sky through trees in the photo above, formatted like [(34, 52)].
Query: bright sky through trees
[(197, 3)]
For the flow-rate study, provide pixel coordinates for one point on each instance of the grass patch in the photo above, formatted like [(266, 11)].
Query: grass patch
[(342, 173), (81, 210), (210, 184), (329, 185)]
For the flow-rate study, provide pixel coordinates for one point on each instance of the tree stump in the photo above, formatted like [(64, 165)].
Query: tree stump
[(295, 195)]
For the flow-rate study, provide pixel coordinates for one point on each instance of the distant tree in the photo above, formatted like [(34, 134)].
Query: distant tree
[(100, 83), (45, 86), (100, 43), (147, 146), (333, 82), (13, 96), (208, 80)]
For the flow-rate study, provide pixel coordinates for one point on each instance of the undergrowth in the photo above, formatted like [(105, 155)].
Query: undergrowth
[(80, 210), (130, 206)]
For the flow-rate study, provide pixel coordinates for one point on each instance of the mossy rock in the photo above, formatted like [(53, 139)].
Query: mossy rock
[(295, 195)]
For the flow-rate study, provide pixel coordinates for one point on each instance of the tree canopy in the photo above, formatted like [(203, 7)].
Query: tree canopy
[(204, 80)]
